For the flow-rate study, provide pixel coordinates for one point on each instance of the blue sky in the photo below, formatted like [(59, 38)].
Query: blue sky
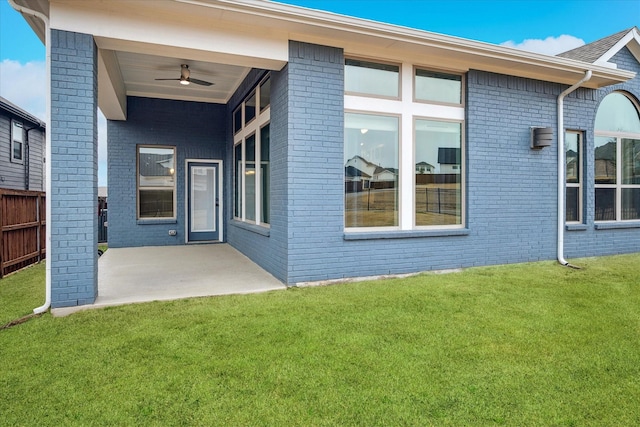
[(546, 26)]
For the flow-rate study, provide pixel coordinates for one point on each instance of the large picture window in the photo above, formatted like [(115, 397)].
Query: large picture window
[(617, 159), (251, 156), (404, 163), (156, 182), (17, 142), (438, 173), (371, 170), (573, 176)]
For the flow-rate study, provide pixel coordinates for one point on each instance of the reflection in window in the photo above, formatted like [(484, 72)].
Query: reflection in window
[(573, 162), (438, 192), (250, 178), (265, 94), (265, 172), (617, 140), (237, 183), (371, 170), (156, 182), (250, 108), (371, 78), (438, 87)]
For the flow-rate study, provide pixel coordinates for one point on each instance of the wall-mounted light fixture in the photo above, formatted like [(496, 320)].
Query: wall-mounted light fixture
[(541, 137)]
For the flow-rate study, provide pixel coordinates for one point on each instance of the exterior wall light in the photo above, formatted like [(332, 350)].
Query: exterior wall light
[(541, 137)]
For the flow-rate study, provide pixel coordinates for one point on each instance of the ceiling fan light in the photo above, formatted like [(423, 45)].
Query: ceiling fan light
[(184, 82)]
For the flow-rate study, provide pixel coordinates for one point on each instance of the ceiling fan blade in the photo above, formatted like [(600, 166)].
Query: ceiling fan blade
[(200, 82), (167, 79)]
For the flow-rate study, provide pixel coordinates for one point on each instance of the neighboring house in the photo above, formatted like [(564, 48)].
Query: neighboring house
[(299, 91), (424, 168), (22, 144)]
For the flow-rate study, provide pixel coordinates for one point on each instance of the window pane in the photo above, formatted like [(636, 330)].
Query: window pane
[(631, 161), (631, 203), (605, 204), (573, 204), (250, 178), (605, 160), (371, 78), (237, 119), (438, 198), (265, 173), (572, 156), (156, 167), (17, 136), (250, 108), (617, 113), (438, 87), (156, 203), (237, 185), (371, 170), (265, 94), (17, 150)]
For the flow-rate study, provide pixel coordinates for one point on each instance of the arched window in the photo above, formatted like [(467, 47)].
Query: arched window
[(617, 159)]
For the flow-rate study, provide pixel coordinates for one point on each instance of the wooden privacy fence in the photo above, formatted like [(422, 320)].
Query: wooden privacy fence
[(22, 229)]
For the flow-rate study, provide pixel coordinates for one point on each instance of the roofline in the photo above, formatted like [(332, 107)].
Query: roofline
[(310, 25), (632, 34), (8, 106), (330, 20)]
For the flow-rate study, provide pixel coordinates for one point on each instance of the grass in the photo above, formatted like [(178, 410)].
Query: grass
[(520, 345), (21, 292)]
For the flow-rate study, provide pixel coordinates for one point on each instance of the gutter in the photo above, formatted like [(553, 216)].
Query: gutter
[(47, 37), (561, 168)]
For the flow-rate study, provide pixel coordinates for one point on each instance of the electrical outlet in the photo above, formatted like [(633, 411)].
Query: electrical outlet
[(173, 232)]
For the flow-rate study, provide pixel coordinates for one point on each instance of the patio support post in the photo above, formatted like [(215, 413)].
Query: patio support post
[(74, 163)]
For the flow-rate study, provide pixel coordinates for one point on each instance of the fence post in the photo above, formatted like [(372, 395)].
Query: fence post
[(439, 207)]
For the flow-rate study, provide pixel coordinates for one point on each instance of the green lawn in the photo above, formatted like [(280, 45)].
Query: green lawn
[(521, 345)]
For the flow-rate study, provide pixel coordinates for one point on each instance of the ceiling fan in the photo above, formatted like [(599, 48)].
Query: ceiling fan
[(185, 77)]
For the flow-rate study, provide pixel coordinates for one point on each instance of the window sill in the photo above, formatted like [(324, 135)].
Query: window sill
[(405, 234), (617, 225), (258, 229), (156, 221), (576, 227)]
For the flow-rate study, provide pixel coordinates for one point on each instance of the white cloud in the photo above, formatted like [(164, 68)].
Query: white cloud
[(25, 86), (548, 46)]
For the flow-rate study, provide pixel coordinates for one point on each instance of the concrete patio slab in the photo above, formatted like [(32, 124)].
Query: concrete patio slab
[(158, 273)]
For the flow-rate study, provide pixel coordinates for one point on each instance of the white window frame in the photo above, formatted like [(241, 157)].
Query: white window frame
[(577, 185), (408, 110), (253, 128), (14, 133), (618, 186), (174, 188)]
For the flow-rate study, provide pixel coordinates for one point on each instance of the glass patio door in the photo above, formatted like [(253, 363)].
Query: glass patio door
[(203, 202)]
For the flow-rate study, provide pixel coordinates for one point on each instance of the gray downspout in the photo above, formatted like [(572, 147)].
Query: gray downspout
[(561, 167)]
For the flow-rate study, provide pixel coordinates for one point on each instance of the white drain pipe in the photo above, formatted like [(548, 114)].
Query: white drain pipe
[(47, 43), (562, 165)]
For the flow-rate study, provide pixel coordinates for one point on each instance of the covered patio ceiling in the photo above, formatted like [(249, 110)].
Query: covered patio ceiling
[(140, 71)]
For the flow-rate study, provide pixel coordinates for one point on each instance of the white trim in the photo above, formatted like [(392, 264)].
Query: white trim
[(631, 35), (220, 209)]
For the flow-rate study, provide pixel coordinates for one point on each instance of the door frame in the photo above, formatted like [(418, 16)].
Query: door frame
[(187, 197)]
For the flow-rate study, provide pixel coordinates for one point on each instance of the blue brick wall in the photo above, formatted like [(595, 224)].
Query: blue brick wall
[(197, 130), (580, 113), (511, 189), (74, 180)]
